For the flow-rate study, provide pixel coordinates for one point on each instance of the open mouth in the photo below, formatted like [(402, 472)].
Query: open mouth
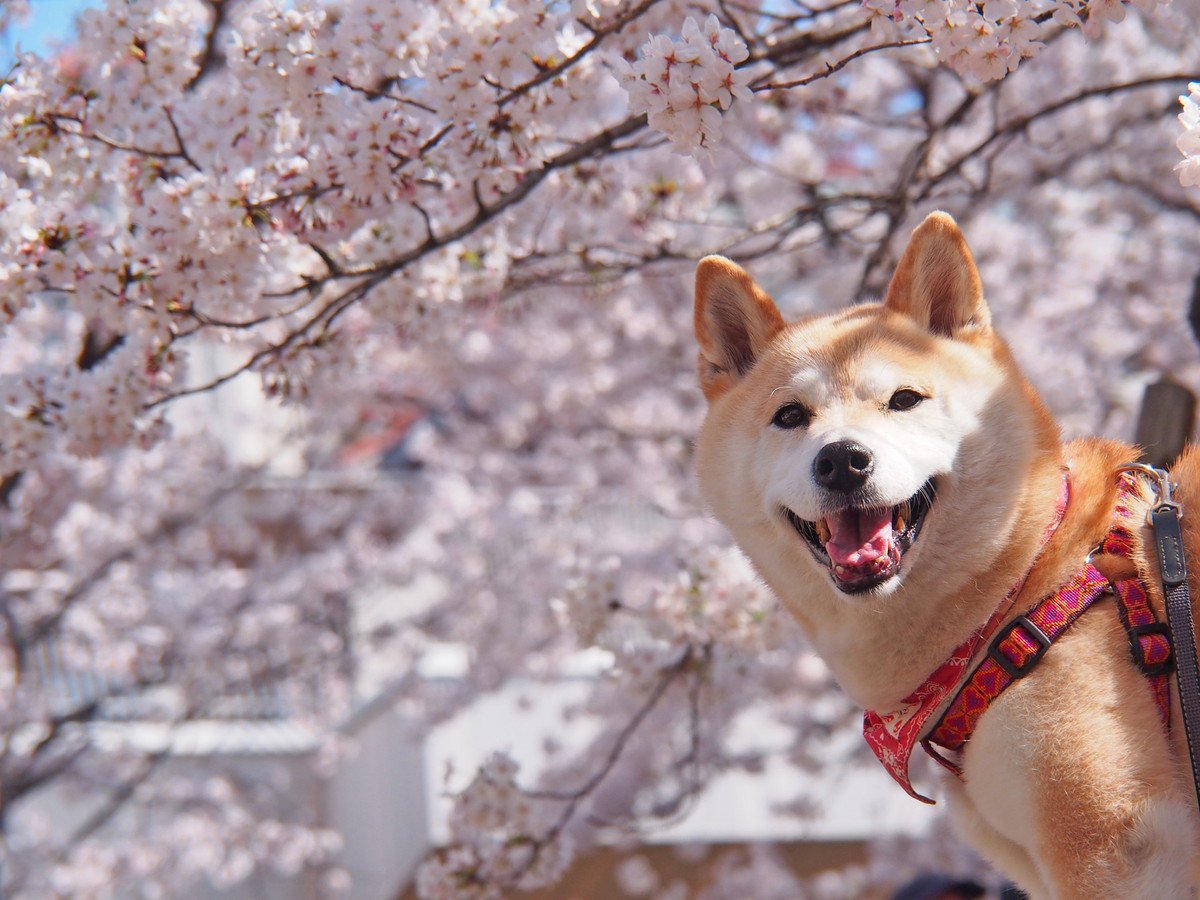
[(863, 547)]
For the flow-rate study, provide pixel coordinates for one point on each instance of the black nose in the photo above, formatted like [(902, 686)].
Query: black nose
[(843, 466)]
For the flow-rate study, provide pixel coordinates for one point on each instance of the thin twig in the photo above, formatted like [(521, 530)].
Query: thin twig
[(598, 36), (575, 797), (831, 68)]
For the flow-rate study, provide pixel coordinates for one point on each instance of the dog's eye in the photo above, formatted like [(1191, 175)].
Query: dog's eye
[(792, 415), (904, 399)]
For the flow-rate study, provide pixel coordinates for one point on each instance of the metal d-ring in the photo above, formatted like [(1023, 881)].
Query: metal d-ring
[(1162, 491)]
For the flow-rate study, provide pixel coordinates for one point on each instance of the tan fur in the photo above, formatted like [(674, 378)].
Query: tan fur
[(734, 324), (1071, 787), (936, 282)]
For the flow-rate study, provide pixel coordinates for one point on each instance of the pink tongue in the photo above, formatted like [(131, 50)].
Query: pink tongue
[(859, 536)]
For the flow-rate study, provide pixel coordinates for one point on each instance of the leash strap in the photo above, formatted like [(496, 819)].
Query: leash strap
[(1172, 568)]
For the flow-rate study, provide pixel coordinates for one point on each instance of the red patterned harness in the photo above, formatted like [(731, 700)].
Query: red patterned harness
[(1015, 650)]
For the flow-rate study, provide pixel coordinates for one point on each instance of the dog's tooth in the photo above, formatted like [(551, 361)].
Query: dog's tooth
[(823, 532), (841, 570), (900, 519)]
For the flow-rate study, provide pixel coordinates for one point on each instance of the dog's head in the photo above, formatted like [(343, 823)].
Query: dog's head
[(875, 451)]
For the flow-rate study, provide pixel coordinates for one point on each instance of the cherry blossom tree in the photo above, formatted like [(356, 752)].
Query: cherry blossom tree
[(454, 241)]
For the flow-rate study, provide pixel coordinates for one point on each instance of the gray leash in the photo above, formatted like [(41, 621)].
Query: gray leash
[(1172, 569)]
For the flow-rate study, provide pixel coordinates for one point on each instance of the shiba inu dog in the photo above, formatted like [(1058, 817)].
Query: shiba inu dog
[(900, 485)]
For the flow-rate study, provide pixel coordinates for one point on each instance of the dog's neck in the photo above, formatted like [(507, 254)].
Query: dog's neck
[(881, 652)]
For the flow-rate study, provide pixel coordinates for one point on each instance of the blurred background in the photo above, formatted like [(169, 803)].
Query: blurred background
[(348, 537)]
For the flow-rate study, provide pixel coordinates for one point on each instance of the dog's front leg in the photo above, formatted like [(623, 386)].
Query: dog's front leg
[(1147, 852), (1084, 848), (1007, 856)]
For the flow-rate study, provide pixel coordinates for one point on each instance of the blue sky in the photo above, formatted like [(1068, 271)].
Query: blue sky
[(49, 23)]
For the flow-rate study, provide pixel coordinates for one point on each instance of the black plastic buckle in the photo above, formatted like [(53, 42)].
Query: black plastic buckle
[(1139, 654), (1014, 671)]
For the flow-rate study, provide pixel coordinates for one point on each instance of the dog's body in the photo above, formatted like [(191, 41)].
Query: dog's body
[(891, 474)]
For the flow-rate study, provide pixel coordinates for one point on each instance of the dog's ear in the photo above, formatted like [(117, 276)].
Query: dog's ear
[(735, 320), (936, 282)]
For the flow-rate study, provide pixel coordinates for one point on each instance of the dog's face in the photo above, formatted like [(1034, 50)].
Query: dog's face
[(871, 451)]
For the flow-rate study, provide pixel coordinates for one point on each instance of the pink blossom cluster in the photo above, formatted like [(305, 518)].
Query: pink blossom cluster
[(684, 85), (704, 636), (170, 207), (499, 839), (1189, 141), (988, 40)]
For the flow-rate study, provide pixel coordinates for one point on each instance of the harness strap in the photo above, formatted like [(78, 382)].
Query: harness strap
[(893, 734), (1149, 640), (1149, 643), (1014, 652), (1020, 645)]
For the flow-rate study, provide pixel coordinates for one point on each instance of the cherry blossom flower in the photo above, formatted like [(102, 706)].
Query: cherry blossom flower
[(684, 85)]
